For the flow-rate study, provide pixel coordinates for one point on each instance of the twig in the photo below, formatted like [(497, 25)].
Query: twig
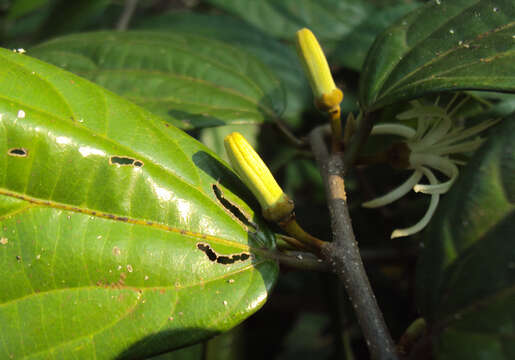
[(343, 253), (297, 260), (345, 334), (125, 18), (284, 129)]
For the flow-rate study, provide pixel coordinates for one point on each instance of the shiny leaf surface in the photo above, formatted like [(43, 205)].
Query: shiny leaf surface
[(444, 45), (113, 240), (328, 19), (351, 49), (189, 80), (280, 58), (345, 28), (466, 274)]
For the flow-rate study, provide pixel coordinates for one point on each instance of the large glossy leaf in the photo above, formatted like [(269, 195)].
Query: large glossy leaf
[(330, 20), (213, 138), (113, 240), (466, 274), (351, 49), (191, 81), (445, 45), (281, 58)]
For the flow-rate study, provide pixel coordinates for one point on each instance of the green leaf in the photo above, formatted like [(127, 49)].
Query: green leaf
[(21, 8), (351, 50), (69, 16), (444, 45), (340, 25), (280, 58), (466, 273), (114, 243), (189, 80), (193, 352), (328, 19), (214, 137)]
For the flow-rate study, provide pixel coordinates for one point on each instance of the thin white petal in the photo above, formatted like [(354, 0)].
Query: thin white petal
[(438, 131), (455, 136), (393, 129), (396, 193), (422, 126), (439, 163), (427, 216), (460, 148), (419, 111)]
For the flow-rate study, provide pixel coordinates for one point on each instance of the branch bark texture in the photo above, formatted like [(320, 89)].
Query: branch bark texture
[(343, 252)]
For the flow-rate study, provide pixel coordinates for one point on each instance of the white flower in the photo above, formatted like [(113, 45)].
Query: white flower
[(430, 147)]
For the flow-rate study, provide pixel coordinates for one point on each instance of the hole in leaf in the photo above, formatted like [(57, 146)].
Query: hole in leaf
[(233, 209), (125, 161), (208, 251), (19, 152), (221, 259)]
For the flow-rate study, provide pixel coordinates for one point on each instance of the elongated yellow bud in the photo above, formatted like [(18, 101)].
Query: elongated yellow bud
[(275, 204), (327, 95)]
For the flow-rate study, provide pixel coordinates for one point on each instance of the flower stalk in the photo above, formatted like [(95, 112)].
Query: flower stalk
[(276, 206)]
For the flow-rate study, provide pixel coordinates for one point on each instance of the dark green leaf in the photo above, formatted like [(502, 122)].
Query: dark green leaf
[(328, 19), (214, 137), (68, 16), (351, 50), (227, 346), (20, 8), (21, 22), (335, 23), (279, 57), (193, 352), (113, 241), (445, 45), (189, 80), (466, 274)]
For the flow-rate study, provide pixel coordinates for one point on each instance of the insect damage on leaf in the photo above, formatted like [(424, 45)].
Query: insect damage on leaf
[(222, 259), (234, 210), (125, 161), (18, 152)]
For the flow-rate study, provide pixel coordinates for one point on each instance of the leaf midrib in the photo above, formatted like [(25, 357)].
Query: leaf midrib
[(404, 54), (185, 50), (250, 266), (437, 59), (205, 83), (117, 144), (112, 142), (123, 218)]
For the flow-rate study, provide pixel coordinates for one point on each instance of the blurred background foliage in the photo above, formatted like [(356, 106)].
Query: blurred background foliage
[(307, 316)]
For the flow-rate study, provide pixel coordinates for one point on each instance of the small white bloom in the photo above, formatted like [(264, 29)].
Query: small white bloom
[(431, 145)]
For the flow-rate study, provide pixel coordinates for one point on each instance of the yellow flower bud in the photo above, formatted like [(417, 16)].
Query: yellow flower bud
[(275, 205), (327, 95)]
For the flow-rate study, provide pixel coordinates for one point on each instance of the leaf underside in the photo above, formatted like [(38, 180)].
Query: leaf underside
[(113, 243)]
